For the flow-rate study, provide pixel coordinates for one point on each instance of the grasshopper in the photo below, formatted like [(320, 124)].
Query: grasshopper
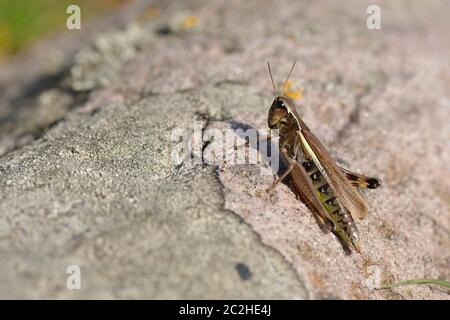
[(326, 188)]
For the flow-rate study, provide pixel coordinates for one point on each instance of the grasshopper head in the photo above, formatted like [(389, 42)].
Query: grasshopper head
[(277, 112), (282, 105)]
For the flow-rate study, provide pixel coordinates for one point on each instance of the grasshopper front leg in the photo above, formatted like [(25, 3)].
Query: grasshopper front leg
[(283, 176)]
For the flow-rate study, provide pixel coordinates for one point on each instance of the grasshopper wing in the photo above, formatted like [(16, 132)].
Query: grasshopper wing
[(346, 193)]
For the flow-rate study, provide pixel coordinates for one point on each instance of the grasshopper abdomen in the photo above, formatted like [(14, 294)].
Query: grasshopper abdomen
[(343, 223)]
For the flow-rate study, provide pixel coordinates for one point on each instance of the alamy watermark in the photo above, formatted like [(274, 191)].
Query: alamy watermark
[(73, 21), (373, 281), (221, 148), (374, 19), (73, 281)]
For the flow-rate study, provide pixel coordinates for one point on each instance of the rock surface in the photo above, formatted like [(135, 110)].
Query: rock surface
[(87, 176)]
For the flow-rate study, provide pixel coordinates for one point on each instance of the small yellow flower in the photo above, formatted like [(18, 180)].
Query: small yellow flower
[(189, 22), (293, 93)]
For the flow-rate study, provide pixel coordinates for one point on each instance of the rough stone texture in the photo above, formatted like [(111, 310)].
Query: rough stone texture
[(100, 191), (87, 178)]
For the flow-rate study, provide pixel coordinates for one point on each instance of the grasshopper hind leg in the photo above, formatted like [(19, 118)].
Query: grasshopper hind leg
[(324, 225), (361, 181)]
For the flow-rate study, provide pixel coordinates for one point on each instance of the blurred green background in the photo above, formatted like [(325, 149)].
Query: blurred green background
[(23, 22)]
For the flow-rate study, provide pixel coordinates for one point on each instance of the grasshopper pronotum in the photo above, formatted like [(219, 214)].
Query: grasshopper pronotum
[(327, 189)]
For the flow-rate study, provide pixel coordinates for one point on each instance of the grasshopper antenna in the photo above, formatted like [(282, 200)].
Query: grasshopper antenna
[(287, 78), (271, 78)]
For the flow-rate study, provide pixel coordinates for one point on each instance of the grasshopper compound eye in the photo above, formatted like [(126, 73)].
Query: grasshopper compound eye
[(280, 103)]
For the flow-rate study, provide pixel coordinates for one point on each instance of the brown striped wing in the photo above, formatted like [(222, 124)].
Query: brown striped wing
[(345, 192)]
